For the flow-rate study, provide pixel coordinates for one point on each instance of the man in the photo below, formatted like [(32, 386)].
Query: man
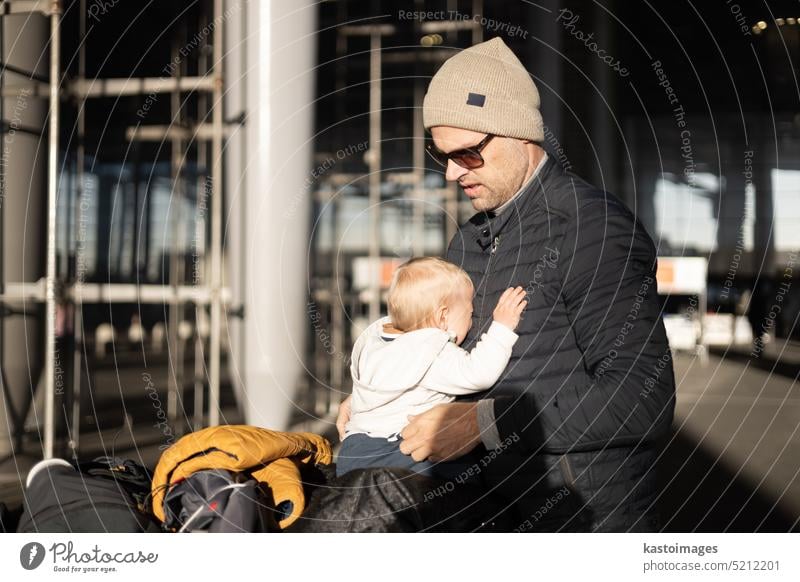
[(571, 429)]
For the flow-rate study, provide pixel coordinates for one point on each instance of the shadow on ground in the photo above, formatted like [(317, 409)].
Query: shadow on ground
[(702, 495)]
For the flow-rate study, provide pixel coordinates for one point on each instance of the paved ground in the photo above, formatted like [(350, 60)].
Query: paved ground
[(734, 458)]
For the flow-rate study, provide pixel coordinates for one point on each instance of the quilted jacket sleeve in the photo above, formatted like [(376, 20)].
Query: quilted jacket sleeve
[(623, 391)]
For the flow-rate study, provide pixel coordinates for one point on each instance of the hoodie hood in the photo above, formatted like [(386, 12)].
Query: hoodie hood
[(394, 363)]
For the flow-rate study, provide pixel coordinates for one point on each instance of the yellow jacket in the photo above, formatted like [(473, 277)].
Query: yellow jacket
[(272, 457)]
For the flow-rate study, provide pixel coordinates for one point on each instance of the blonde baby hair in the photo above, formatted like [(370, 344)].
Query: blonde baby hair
[(419, 287)]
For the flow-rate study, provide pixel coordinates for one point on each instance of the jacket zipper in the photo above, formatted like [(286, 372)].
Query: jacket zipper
[(566, 471), (487, 273)]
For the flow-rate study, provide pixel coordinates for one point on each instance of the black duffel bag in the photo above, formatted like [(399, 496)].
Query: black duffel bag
[(105, 495), (397, 500)]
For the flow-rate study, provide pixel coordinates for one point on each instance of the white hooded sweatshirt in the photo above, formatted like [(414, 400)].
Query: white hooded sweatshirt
[(397, 375)]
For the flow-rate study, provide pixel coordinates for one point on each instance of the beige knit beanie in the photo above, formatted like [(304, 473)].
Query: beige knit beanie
[(485, 88)]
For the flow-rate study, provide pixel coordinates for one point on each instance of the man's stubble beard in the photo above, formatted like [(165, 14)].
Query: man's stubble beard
[(518, 160)]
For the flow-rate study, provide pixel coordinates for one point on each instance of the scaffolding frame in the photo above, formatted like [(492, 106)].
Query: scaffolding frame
[(50, 290)]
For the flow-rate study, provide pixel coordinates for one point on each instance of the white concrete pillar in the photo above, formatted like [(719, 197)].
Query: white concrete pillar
[(268, 201)]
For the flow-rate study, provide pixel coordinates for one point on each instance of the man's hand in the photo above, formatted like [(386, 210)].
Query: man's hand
[(343, 417), (444, 432)]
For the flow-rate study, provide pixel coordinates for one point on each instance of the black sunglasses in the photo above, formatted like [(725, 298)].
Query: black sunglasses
[(469, 158)]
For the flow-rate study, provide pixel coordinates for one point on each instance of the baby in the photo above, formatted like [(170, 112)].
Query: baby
[(410, 361)]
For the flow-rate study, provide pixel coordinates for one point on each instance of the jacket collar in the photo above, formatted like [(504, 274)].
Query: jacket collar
[(486, 226)]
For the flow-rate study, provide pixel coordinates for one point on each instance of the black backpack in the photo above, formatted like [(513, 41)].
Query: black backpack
[(219, 501), (105, 495)]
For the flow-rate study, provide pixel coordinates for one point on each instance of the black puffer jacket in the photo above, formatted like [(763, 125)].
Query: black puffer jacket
[(589, 388)]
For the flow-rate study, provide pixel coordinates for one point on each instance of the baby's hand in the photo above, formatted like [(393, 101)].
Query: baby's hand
[(510, 306)]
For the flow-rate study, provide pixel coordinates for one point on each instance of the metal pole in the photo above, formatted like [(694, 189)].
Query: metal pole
[(52, 191), (419, 171), (15, 434), (702, 308), (238, 385), (175, 388), (418, 163), (336, 300), (374, 173), (199, 253), (3, 171), (216, 221), (477, 30), (77, 304)]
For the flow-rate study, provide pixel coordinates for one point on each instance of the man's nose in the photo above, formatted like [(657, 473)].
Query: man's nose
[(454, 171)]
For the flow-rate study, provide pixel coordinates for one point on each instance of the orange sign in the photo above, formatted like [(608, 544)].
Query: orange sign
[(665, 275)]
